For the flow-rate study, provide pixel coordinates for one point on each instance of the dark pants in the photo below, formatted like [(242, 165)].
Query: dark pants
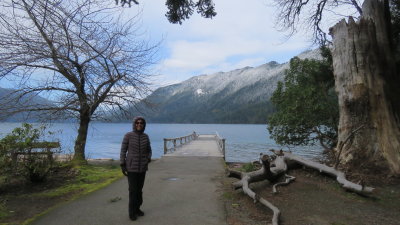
[(136, 181)]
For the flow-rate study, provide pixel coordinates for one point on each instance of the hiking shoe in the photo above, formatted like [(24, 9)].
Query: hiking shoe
[(140, 212), (133, 217)]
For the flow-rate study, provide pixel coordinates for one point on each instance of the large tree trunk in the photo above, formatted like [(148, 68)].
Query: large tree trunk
[(368, 89), (80, 142)]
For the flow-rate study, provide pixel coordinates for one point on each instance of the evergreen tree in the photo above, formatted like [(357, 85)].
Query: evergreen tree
[(306, 103)]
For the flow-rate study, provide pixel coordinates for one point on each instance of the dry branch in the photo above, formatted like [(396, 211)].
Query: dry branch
[(340, 176), (274, 168), (266, 172), (287, 181), (255, 197)]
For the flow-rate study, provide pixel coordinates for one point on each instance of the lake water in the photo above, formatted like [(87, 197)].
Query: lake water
[(244, 142)]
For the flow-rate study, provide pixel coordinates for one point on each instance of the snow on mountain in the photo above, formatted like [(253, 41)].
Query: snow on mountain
[(200, 92), (239, 78), (232, 81), (221, 96)]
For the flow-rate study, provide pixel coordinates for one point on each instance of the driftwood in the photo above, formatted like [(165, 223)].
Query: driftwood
[(340, 176), (266, 172), (288, 179), (276, 166)]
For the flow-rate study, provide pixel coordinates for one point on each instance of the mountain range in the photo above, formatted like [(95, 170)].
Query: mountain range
[(9, 104), (237, 96)]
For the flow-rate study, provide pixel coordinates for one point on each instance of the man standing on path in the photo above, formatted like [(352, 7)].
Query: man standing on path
[(135, 157)]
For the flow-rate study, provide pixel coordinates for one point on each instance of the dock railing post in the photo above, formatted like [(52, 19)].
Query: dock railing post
[(223, 147), (221, 144), (165, 146), (182, 140)]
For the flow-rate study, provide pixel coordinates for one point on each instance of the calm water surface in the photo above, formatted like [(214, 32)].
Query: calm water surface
[(244, 142)]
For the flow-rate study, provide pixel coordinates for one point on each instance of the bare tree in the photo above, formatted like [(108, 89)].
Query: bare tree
[(76, 52), (293, 14)]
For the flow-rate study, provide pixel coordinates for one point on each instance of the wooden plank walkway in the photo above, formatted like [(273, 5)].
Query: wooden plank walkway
[(203, 145)]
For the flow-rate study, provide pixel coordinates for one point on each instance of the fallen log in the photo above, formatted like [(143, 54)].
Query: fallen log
[(340, 176), (277, 166), (264, 173), (255, 197), (287, 181)]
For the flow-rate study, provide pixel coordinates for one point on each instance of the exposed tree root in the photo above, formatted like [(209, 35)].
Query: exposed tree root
[(266, 172), (255, 197), (287, 181), (340, 176), (277, 166)]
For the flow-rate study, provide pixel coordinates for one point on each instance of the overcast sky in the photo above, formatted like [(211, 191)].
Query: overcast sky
[(242, 34)]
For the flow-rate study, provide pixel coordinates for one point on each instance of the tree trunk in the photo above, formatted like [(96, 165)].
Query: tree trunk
[(368, 90), (80, 142)]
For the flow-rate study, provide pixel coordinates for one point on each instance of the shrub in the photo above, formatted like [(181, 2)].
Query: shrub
[(248, 167), (19, 156)]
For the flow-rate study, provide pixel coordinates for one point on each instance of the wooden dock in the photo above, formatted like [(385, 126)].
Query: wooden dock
[(211, 145)]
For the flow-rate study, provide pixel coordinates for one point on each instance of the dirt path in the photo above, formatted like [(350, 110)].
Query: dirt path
[(314, 199)]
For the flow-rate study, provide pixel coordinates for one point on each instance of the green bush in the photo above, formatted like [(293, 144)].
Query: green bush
[(36, 167), (30, 164), (248, 167)]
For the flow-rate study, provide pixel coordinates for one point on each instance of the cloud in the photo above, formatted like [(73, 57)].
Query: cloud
[(242, 34), (200, 54)]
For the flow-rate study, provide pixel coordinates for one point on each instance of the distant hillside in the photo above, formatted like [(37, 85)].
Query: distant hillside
[(5, 105), (238, 96)]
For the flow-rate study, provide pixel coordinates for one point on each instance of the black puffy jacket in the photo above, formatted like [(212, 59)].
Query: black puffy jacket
[(136, 149)]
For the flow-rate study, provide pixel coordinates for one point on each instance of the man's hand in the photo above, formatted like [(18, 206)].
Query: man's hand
[(123, 169)]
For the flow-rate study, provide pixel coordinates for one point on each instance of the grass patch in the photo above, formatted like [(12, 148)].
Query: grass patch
[(89, 178), (3, 210), (228, 195), (248, 167), (66, 183)]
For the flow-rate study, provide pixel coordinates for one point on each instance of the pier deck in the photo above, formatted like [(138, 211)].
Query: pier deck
[(203, 145)]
